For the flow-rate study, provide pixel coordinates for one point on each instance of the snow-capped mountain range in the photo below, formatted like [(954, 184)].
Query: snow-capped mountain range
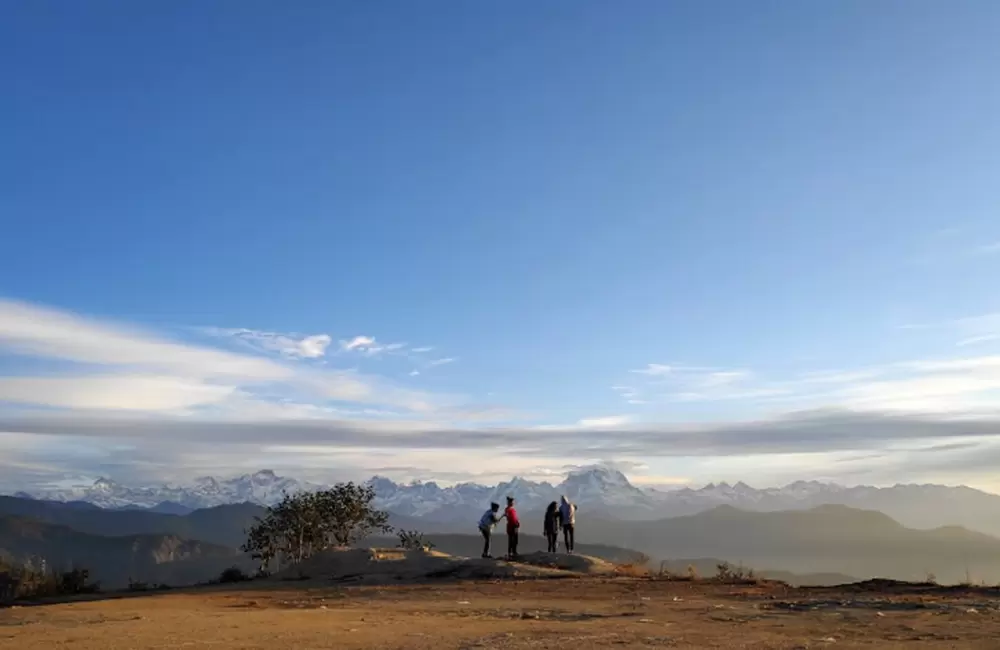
[(599, 491)]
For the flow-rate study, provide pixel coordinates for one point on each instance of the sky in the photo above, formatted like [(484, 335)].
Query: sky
[(702, 241)]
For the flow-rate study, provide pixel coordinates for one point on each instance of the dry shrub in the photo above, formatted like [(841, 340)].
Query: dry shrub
[(738, 574), (631, 569)]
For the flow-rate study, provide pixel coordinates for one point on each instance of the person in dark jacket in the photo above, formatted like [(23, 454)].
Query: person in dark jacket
[(552, 526), (513, 525)]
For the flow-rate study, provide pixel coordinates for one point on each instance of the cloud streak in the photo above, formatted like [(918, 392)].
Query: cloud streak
[(46, 333), (105, 366), (811, 431), (108, 393), (292, 346)]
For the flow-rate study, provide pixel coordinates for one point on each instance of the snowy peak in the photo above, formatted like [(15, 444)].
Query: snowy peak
[(597, 475), (104, 485), (597, 489), (602, 484)]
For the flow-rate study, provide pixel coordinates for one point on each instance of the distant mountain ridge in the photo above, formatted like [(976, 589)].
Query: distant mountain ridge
[(263, 487), (596, 489), (821, 541)]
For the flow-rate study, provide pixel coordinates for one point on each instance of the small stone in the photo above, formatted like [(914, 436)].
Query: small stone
[(879, 614)]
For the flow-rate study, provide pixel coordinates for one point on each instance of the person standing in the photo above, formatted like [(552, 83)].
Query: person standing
[(486, 524), (551, 526), (513, 524), (567, 515)]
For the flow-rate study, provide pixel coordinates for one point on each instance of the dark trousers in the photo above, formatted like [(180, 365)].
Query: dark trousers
[(487, 536), (569, 537), (512, 543), (553, 539)]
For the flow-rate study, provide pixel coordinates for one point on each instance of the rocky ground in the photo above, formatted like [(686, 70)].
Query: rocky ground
[(580, 612)]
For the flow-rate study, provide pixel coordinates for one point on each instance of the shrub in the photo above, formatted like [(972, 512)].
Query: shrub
[(413, 540), (23, 581), (640, 559), (307, 522), (233, 574), (726, 572), (135, 585), (77, 581)]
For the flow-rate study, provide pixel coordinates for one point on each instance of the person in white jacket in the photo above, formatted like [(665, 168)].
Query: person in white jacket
[(567, 514)]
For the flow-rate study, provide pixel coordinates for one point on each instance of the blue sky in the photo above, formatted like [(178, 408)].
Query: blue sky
[(597, 216)]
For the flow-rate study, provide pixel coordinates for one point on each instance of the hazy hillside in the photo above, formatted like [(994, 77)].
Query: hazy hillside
[(706, 567), (837, 539), (113, 560), (827, 539), (220, 525), (225, 525)]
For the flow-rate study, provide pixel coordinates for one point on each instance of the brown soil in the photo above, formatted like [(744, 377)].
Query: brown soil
[(573, 613)]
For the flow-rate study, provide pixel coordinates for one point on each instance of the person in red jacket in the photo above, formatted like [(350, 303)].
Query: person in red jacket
[(513, 524)]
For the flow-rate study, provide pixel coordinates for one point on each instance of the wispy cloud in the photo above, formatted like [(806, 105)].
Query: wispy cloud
[(993, 248), (824, 431), (969, 330), (956, 386), (31, 330), (605, 422), (654, 370), (369, 346), (124, 392), (107, 366), (292, 346), (113, 396), (685, 383)]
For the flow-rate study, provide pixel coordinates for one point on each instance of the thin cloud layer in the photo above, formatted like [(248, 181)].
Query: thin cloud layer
[(826, 444), (112, 395), (97, 365), (35, 331), (808, 432), (962, 385)]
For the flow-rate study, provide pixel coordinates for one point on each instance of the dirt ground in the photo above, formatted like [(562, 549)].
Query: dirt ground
[(564, 613)]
